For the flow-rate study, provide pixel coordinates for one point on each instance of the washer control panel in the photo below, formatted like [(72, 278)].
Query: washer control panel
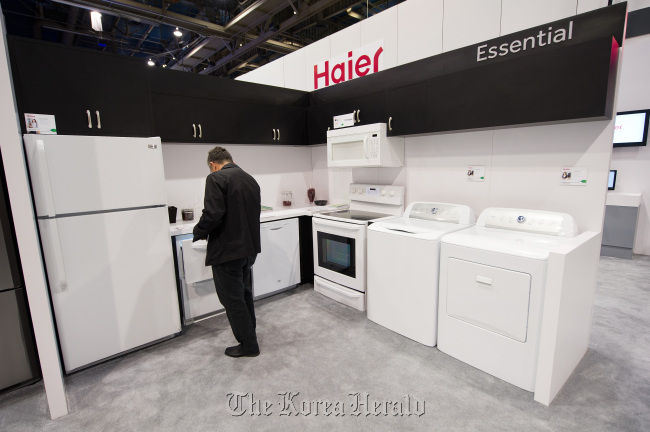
[(384, 194), (441, 212), (534, 221)]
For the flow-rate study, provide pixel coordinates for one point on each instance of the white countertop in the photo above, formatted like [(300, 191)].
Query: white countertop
[(185, 227), (623, 199)]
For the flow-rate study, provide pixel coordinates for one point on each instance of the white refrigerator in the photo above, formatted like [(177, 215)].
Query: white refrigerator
[(104, 226)]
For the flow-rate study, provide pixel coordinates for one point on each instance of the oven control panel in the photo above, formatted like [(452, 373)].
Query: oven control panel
[(385, 194)]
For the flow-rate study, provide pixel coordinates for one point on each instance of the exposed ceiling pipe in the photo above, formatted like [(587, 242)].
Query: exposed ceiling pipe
[(284, 26), (244, 13), (156, 16)]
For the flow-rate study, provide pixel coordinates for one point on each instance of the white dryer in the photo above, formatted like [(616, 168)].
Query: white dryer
[(492, 279), (403, 256)]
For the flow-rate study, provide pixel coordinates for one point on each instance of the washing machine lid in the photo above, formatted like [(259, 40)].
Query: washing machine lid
[(418, 228), (523, 244)]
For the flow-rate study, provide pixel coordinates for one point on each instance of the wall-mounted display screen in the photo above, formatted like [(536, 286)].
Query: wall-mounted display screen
[(611, 183), (631, 128)]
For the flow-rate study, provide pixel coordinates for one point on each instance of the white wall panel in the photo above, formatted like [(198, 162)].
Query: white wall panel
[(436, 168), (28, 241), (419, 30), (527, 163), (294, 70), (317, 52), (467, 22), (269, 74), (635, 4), (522, 14), (345, 40), (632, 163), (589, 5), (276, 169), (382, 26)]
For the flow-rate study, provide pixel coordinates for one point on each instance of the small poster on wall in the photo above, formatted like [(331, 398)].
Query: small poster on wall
[(476, 173), (40, 124), (573, 176)]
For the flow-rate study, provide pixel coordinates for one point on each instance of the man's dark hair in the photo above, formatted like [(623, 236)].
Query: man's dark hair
[(219, 155)]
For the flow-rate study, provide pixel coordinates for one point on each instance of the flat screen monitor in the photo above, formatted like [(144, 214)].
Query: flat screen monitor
[(611, 183), (631, 128)]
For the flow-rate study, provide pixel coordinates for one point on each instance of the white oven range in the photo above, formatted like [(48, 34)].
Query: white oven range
[(340, 241)]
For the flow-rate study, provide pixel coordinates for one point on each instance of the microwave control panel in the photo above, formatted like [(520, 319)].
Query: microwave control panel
[(373, 146)]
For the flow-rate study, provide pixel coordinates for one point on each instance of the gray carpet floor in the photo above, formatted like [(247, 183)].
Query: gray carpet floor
[(322, 351)]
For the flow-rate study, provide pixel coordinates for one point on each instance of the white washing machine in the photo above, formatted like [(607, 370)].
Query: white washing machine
[(492, 279), (403, 257)]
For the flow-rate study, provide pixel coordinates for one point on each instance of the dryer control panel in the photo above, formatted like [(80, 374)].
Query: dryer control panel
[(533, 221), (441, 212)]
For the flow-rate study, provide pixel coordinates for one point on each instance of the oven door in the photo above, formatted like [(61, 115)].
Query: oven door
[(340, 252)]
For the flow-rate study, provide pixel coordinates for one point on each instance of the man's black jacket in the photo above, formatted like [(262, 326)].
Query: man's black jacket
[(231, 216)]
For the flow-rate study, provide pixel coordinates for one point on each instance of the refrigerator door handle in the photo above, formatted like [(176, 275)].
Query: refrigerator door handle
[(53, 256), (43, 194), (90, 120)]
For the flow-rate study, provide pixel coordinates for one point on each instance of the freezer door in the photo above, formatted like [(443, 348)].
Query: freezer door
[(115, 287), (79, 174)]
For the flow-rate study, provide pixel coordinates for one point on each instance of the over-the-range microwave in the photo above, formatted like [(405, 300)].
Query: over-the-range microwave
[(364, 146)]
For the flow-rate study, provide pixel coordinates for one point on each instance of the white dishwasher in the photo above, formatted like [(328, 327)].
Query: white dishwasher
[(197, 293), (277, 267)]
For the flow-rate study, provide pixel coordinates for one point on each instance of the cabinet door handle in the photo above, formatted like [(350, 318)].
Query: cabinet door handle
[(278, 134), (358, 112), (275, 229), (90, 120), (354, 116), (200, 131), (99, 120), (390, 121), (194, 128), (273, 134)]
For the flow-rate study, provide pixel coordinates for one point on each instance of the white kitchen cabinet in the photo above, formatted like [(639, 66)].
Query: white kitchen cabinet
[(382, 26), (520, 15), (278, 265), (467, 22), (419, 30), (589, 5)]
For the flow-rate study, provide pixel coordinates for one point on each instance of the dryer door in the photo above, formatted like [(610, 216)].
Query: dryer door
[(489, 297)]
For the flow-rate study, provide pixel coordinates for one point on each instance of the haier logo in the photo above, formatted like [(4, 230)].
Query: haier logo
[(359, 62)]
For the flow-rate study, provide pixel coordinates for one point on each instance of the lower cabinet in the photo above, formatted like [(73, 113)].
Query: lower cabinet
[(278, 266)]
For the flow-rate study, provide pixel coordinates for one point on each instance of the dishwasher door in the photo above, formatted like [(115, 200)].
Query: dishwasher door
[(198, 294), (277, 267)]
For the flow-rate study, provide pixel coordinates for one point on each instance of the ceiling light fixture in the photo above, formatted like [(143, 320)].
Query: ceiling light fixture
[(151, 63), (96, 21), (178, 33), (354, 14)]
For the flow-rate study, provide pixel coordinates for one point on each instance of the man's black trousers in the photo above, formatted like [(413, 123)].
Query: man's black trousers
[(235, 291)]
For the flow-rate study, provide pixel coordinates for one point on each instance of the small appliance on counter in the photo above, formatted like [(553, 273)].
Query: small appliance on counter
[(339, 239), (172, 211), (187, 214)]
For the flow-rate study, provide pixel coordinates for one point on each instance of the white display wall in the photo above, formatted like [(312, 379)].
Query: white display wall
[(633, 163), (276, 169)]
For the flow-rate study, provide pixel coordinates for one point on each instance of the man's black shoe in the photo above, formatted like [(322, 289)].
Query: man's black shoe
[(239, 351)]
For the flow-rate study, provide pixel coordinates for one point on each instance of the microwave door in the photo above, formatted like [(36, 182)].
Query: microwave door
[(348, 151)]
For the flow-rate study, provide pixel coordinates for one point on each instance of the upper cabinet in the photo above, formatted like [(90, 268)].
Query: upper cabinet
[(197, 108), (417, 21), (89, 93), (517, 15)]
